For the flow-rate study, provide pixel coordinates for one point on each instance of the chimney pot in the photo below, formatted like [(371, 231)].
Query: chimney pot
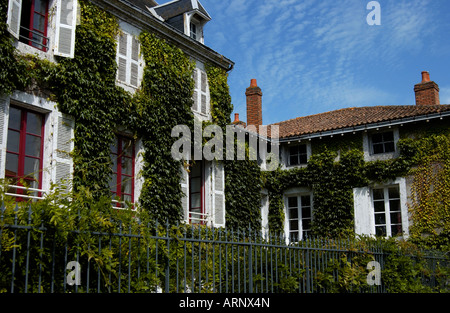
[(236, 117), (253, 83), (425, 76)]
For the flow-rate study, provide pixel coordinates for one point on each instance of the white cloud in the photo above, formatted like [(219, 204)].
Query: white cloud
[(317, 54)]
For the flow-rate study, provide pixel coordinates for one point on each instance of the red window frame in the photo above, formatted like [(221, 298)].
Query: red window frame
[(117, 170), (30, 25), (23, 133), (201, 193)]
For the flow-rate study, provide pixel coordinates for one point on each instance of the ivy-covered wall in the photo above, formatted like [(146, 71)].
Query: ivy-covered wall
[(423, 156), (85, 88)]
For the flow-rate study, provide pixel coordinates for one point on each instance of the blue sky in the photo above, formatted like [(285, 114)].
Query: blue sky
[(312, 56)]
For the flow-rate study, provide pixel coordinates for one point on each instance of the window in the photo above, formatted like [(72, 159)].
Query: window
[(196, 193), (383, 143), (33, 23), (128, 59), (24, 151), (387, 210), (298, 155), (299, 216), (28, 21), (201, 101), (193, 31), (122, 180)]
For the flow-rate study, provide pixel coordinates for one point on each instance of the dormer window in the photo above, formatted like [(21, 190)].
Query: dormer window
[(193, 31)]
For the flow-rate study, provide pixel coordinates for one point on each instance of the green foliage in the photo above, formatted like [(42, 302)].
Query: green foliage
[(430, 205), (85, 88), (332, 184), (12, 69), (221, 107), (164, 101)]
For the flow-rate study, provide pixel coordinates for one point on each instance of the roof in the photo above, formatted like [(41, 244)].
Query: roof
[(144, 4), (353, 117), (178, 7)]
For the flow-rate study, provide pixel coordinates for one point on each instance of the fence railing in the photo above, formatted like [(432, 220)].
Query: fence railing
[(193, 259)]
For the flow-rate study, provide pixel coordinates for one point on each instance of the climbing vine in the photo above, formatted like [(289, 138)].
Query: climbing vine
[(164, 101)]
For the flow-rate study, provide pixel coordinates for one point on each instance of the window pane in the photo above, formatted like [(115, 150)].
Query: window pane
[(396, 230), (13, 141), (195, 184), (39, 23), (127, 166), (127, 147), (113, 147), (33, 146), (40, 6), (378, 148), (31, 168), (12, 164), (302, 149), (34, 123), (196, 169), (377, 138), (114, 161), (378, 206), (380, 230), (293, 160), (126, 185), (292, 202), (195, 200), (14, 118), (380, 219), (378, 194), (293, 213), (303, 158), (306, 212), (293, 225), (394, 193), (396, 218), (306, 224), (306, 201), (127, 198), (113, 183), (389, 147), (394, 205)]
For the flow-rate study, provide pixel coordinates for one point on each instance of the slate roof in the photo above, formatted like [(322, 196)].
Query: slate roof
[(352, 117), (178, 7), (143, 4)]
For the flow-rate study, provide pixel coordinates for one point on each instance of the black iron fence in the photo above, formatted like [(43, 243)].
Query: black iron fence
[(136, 257)]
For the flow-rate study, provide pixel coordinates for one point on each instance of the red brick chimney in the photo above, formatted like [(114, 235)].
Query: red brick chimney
[(427, 92), (254, 104)]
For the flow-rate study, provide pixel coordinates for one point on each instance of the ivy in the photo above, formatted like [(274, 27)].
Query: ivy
[(164, 101), (12, 69), (85, 88)]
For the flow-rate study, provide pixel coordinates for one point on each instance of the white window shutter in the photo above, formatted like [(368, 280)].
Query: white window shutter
[(3, 133), (218, 184), (66, 20), (185, 190), (122, 57), (63, 146), (13, 21), (134, 74), (195, 96)]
